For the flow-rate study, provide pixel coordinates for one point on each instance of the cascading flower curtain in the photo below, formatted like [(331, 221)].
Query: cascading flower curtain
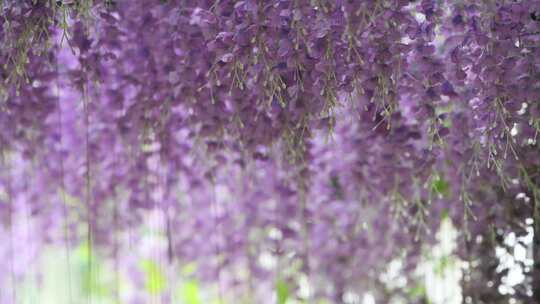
[(268, 145)]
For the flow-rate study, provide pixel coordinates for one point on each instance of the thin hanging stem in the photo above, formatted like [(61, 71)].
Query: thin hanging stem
[(28, 215), (115, 254), (166, 223), (10, 227), (63, 186), (214, 208), (87, 188)]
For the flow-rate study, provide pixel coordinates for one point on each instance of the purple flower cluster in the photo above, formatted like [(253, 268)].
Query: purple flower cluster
[(331, 136)]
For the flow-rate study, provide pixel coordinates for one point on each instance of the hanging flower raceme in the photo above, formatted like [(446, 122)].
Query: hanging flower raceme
[(263, 143)]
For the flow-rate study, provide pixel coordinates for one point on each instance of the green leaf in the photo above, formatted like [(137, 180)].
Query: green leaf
[(89, 267), (155, 280), (190, 293), (418, 291), (444, 215), (189, 269), (282, 291), (441, 186)]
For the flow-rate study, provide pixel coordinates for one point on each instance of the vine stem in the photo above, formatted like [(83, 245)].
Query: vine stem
[(10, 227), (536, 251), (215, 208), (63, 186), (87, 187)]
